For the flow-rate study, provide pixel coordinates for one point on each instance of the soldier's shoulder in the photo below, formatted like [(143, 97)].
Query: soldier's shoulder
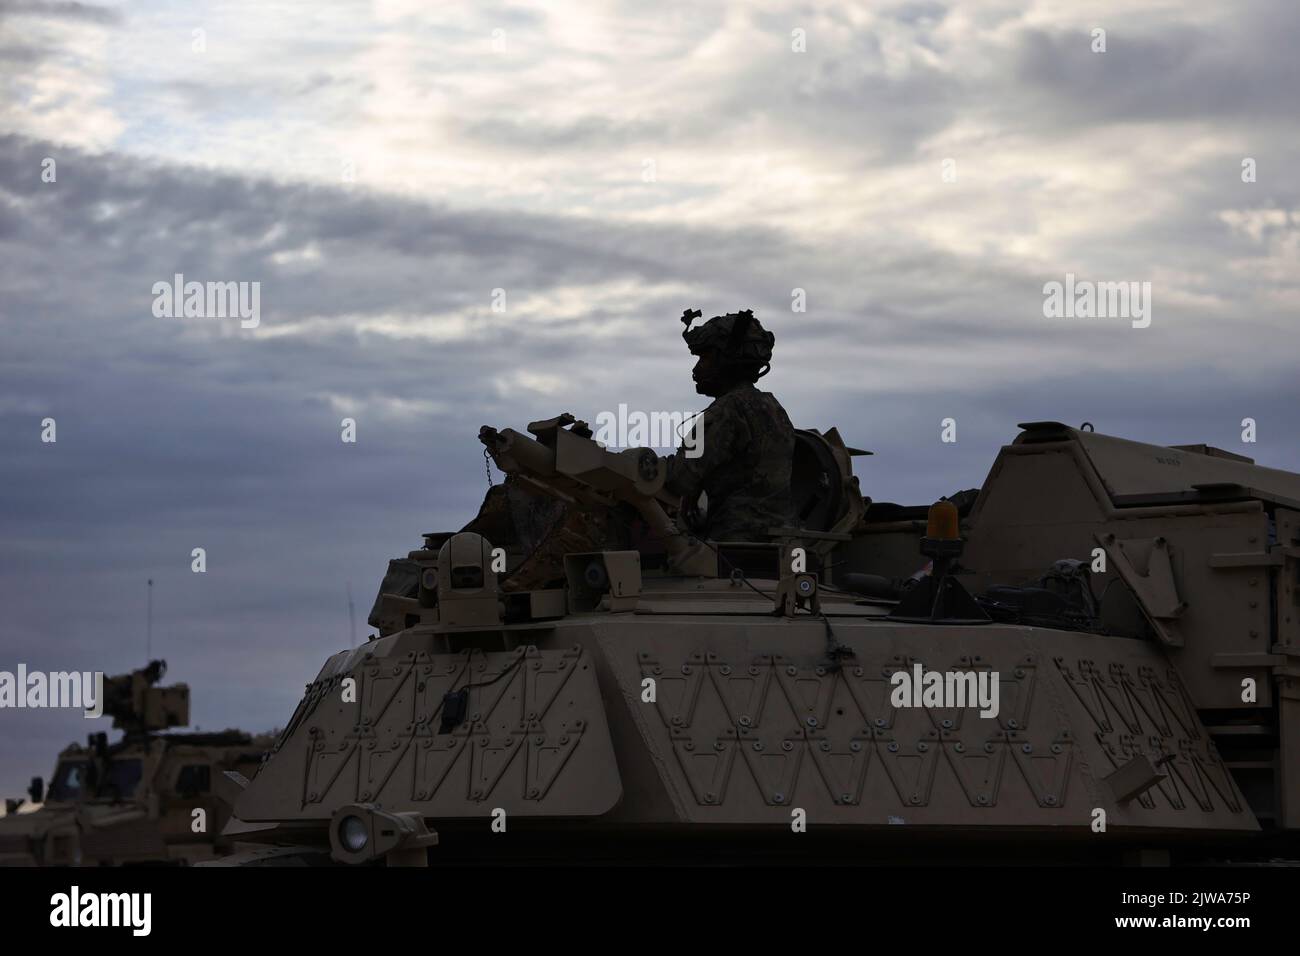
[(744, 396), (769, 404), (750, 403)]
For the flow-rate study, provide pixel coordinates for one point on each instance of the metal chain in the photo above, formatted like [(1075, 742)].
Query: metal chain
[(487, 467)]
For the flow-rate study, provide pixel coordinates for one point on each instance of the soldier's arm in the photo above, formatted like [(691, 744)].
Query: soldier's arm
[(724, 431)]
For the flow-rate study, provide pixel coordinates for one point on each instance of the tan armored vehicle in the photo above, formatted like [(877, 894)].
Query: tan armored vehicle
[(146, 799), (1094, 657)]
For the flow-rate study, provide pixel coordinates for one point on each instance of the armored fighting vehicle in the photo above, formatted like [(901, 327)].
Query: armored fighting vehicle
[(146, 799), (1093, 656)]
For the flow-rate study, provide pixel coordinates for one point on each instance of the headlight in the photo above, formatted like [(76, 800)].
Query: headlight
[(363, 833), (354, 834)]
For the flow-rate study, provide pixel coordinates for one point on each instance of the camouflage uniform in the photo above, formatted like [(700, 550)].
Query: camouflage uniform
[(744, 466), (576, 532), (544, 530), (512, 516)]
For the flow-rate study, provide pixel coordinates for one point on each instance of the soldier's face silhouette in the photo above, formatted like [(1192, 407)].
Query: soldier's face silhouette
[(708, 374)]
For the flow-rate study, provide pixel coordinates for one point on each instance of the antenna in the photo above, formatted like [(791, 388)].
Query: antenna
[(352, 619), (148, 626)]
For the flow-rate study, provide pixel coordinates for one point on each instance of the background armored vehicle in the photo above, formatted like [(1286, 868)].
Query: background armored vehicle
[(1134, 606), (146, 799)]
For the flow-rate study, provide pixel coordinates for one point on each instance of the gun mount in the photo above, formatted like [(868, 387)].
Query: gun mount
[(563, 461)]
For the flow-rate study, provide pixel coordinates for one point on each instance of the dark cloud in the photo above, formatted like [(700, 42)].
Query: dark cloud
[(922, 11), (842, 95), (87, 12), (21, 54), (1237, 69)]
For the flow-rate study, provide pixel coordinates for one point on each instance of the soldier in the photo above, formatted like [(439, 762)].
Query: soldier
[(745, 444), (742, 468), (748, 441)]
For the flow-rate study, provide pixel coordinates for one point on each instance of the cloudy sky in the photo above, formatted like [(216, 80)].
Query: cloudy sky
[(920, 169)]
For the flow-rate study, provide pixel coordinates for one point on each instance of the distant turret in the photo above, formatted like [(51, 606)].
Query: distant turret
[(138, 707)]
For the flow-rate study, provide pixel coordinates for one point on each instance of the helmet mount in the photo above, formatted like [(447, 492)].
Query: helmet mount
[(742, 344)]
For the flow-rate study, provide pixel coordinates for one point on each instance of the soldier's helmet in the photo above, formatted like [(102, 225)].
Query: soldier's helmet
[(737, 337)]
